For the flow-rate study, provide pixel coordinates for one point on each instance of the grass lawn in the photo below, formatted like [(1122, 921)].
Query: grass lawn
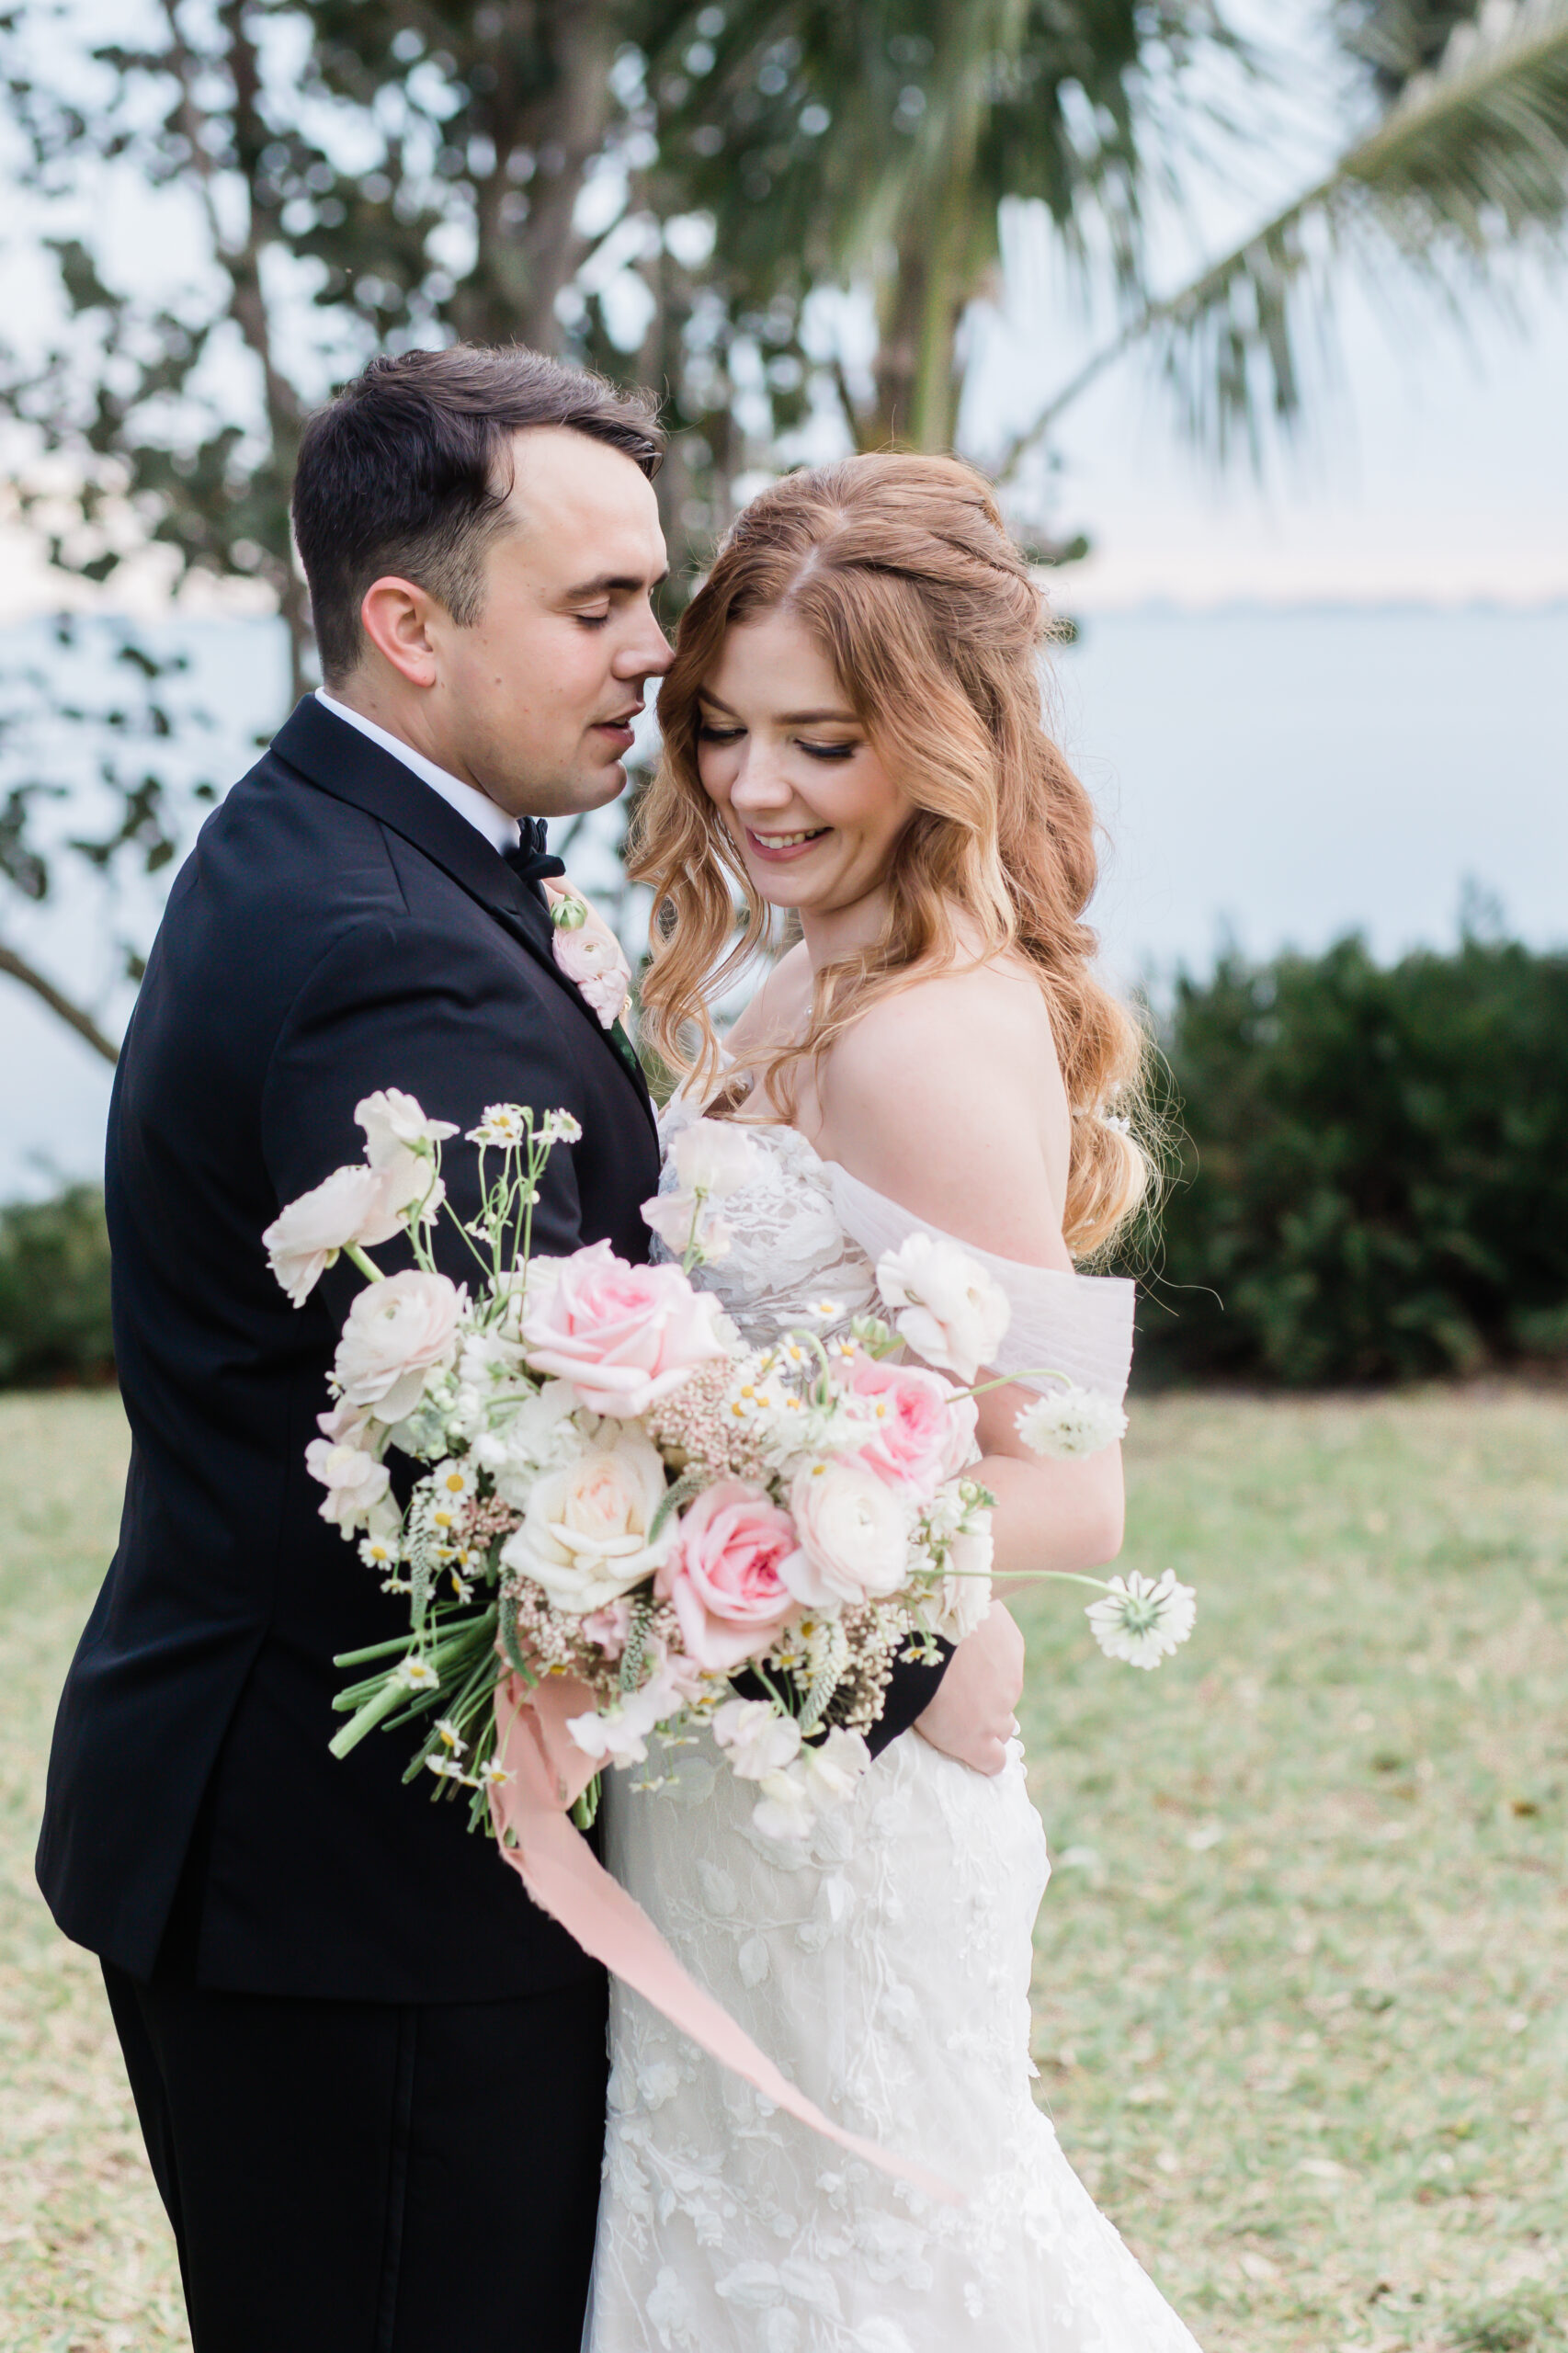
[(1302, 2013)]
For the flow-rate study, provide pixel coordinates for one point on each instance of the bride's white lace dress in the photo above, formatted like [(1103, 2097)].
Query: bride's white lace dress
[(885, 1968)]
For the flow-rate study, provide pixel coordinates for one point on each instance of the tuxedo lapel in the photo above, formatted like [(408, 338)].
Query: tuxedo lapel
[(338, 760)]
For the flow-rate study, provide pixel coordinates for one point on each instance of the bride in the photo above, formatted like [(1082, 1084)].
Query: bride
[(852, 731)]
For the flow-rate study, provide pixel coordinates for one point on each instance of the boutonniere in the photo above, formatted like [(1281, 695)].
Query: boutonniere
[(589, 954)]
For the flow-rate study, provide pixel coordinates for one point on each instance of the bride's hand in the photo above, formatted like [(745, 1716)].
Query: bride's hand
[(971, 1717)]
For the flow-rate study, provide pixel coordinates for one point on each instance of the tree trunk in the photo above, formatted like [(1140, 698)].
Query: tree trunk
[(917, 377), (525, 261)]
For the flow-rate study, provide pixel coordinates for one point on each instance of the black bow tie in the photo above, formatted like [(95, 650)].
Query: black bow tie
[(531, 862)]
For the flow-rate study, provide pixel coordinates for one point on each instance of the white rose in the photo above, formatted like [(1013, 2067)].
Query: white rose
[(355, 1480), (714, 1156), (585, 1532), (1070, 1421), (756, 1738), (397, 1331), (947, 1308), (854, 1532), (304, 1238)]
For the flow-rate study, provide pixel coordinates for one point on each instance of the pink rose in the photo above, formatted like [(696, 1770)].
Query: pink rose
[(722, 1575), (624, 1337), (396, 1331), (924, 1430)]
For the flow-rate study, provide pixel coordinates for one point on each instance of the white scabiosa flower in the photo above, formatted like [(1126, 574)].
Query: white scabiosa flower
[(1070, 1421), (1142, 1620)]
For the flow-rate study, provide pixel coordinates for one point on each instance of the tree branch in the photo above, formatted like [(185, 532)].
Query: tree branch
[(74, 1016)]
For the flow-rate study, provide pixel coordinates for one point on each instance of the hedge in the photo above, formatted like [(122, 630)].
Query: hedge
[(1373, 1178)]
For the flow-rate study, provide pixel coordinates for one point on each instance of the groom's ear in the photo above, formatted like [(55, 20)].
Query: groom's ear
[(395, 616)]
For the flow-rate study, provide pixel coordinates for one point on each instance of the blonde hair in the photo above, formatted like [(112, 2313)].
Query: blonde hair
[(900, 568)]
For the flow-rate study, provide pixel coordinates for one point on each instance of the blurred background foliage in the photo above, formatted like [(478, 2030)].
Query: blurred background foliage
[(1373, 1169), (782, 214)]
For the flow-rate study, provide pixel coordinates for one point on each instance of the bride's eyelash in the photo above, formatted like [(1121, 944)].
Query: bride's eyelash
[(830, 751), (706, 733)]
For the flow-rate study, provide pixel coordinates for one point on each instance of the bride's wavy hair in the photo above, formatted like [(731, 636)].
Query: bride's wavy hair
[(900, 569)]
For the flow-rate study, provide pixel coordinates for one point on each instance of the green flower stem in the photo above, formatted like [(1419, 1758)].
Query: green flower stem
[(367, 1267), (1009, 1380), (374, 1711)]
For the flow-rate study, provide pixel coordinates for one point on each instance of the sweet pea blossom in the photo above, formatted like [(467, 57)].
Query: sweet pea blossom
[(399, 1144), (756, 1738), (396, 1332), (584, 1533), (854, 1535), (724, 1575), (352, 1205), (713, 1157), (1070, 1421), (946, 1307), (355, 1480), (963, 1600), (924, 1430), (624, 1337)]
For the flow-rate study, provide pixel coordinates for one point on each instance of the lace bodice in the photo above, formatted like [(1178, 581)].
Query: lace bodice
[(803, 1229)]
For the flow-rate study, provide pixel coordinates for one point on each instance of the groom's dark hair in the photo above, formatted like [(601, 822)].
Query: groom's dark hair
[(408, 471)]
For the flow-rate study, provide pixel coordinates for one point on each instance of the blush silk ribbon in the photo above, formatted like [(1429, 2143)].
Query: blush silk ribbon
[(548, 1773)]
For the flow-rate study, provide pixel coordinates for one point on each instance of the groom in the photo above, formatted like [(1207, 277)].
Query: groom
[(369, 2074)]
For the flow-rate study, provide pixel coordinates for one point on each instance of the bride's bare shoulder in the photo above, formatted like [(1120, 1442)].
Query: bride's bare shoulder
[(947, 1097)]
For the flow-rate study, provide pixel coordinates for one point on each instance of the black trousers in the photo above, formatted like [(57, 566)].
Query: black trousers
[(366, 2178)]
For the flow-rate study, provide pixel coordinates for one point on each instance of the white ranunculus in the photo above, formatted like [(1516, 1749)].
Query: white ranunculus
[(854, 1532), (398, 1332), (756, 1738), (304, 1238), (1070, 1421), (714, 1156), (944, 1305), (585, 1532)]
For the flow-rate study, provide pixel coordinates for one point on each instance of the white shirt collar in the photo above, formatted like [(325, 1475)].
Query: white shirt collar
[(482, 812)]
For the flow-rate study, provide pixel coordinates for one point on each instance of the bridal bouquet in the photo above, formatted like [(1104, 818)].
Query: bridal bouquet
[(620, 1491)]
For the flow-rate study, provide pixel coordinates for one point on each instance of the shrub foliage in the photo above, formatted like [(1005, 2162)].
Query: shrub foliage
[(54, 1299), (1374, 1169)]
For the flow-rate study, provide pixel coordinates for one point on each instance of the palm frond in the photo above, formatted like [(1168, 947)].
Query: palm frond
[(1471, 156)]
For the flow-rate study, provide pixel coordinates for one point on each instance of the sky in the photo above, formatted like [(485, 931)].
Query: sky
[(1278, 771)]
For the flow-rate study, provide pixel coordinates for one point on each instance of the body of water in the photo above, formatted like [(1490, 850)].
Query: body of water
[(1276, 778)]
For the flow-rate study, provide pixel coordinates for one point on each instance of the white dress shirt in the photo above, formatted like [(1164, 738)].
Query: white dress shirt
[(482, 812)]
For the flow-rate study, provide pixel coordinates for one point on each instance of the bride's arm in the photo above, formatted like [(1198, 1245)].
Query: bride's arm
[(947, 1099)]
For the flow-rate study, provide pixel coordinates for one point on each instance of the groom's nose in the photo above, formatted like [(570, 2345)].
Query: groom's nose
[(646, 655)]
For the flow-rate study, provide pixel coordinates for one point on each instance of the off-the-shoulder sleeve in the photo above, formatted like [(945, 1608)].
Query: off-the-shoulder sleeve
[(1079, 1325)]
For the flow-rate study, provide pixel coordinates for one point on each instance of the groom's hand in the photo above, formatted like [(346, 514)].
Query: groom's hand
[(973, 1717)]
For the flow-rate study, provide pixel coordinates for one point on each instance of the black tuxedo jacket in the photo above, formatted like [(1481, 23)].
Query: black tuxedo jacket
[(337, 928)]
